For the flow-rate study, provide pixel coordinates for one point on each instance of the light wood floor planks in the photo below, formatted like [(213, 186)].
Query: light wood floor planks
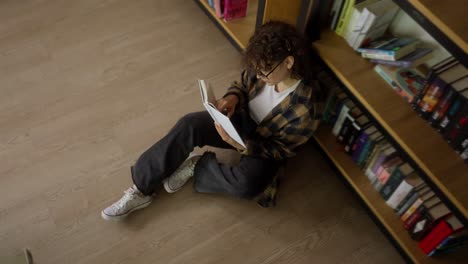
[(86, 86)]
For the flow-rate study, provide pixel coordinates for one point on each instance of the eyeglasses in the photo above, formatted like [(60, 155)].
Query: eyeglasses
[(261, 75)]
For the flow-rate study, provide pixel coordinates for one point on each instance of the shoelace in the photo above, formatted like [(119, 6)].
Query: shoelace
[(128, 194)]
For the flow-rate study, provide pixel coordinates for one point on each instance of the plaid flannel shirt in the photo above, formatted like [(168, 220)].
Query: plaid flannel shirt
[(290, 124)]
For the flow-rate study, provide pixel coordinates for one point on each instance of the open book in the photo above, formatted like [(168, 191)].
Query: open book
[(209, 102)]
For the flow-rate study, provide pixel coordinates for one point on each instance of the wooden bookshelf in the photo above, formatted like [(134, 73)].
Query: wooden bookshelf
[(239, 30), (449, 16), (442, 167), (445, 169), (387, 217)]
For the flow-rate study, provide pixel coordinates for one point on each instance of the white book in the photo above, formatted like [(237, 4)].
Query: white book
[(399, 194), (355, 24), (209, 102), (374, 21), (340, 119)]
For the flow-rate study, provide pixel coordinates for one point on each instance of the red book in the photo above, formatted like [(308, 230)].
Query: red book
[(440, 232), (234, 9)]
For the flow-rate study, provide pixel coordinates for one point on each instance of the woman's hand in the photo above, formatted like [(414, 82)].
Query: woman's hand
[(227, 104), (227, 138)]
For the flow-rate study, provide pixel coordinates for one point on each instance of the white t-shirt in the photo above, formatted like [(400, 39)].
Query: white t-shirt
[(266, 100)]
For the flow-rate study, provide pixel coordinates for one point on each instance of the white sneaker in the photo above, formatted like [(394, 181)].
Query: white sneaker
[(180, 177), (132, 200)]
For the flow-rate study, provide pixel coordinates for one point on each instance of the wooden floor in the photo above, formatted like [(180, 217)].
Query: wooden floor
[(86, 86)]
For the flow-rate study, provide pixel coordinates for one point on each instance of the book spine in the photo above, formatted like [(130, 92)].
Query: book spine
[(411, 209), (344, 16), (400, 193), (442, 108), (234, 9), (345, 129), (408, 203), (359, 146), (378, 56), (341, 118), (354, 133), (366, 152), (414, 218), (447, 121), (430, 100), (401, 64), (391, 185), (218, 6)]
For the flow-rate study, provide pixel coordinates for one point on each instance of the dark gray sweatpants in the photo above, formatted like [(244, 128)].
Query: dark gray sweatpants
[(244, 180)]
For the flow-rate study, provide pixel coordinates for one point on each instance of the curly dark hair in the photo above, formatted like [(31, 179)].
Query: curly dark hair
[(272, 43)]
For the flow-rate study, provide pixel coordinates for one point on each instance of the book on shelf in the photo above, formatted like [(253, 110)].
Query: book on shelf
[(432, 73), (456, 107), (457, 132), (361, 141), (346, 127), (344, 16), (343, 109), (395, 49), (355, 24), (415, 216), (219, 8), (357, 126), (407, 82), (375, 19), (336, 97), (395, 179), (455, 90), (209, 102), (341, 98), (423, 197), (437, 87), (428, 215), (369, 146), (335, 13), (383, 156), (404, 205), (446, 227), (211, 3), (415, 58), (234, 9), (384, 172), (405, 190)]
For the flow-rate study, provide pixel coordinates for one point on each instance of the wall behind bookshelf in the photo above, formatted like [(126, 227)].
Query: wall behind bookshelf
[(404, 25)]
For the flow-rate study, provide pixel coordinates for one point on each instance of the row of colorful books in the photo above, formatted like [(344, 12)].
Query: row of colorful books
[(229, 9), (426, 218), (439, 95)]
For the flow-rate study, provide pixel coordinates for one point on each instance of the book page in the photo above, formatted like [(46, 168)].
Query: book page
[(209, 100)]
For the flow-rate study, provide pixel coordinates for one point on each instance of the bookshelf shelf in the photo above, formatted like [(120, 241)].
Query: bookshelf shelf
[(444, 168), (374, 201), (449, 16), (446, 21), (240, 30)]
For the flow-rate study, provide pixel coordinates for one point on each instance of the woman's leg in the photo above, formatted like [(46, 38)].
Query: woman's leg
[(245, 180), (163, 158)]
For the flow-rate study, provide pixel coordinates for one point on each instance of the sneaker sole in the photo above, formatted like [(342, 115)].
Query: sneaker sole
[(168, 189), (121, 217)]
